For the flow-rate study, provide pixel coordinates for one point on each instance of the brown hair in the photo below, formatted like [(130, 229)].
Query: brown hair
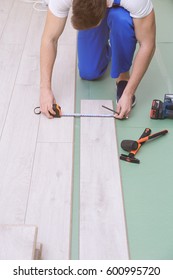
[(87, 13)]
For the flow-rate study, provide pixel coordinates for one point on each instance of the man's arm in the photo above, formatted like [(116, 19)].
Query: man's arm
[(53, 29), (145, 31)]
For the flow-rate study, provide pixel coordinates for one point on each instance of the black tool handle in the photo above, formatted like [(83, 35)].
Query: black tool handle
[(163, 132), (130, 145), (110, 109), (146, 132)]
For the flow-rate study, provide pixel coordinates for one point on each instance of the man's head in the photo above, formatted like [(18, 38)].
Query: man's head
[(87, 13)]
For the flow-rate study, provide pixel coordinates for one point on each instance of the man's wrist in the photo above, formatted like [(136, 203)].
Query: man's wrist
[(48, 87), (129, 92)]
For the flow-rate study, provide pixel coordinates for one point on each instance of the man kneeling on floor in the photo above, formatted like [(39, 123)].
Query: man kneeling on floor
[(108, 30)]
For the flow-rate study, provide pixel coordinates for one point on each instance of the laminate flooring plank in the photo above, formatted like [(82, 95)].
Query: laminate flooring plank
[(12, 44), (29, 71), (49, 205), (68, 37), (61, 130), (10, 56), (20, 128), (19, 95), (63, 83), (17, 242), (5, 7), (102, 220), (16, 28), (17, 148)]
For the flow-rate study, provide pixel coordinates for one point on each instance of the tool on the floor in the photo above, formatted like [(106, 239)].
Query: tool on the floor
[(55, 107), (57, 110), (131, 156), (110, 109), (162, 110), (129, 145), (133, 146)]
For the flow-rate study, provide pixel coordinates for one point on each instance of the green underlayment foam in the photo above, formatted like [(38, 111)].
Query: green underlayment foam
[(147, 187)]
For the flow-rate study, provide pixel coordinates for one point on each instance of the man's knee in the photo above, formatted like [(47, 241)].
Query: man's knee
[(92, 73), (89, 76)]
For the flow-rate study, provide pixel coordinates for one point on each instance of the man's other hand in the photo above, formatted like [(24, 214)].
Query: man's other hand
[(47, 99), (124, 107)]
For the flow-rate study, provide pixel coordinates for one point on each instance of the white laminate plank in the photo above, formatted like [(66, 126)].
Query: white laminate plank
[(17, 242), (10, 56), (49, 204), (29, 71), (63, 84), (68, 37), (19, 128), (102, 222), (16, 28), (11, 48), (33, 40), (61, 130), (5, 7), (17, 148)]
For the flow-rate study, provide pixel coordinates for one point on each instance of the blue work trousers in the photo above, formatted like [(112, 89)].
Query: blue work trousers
[(113, 40)]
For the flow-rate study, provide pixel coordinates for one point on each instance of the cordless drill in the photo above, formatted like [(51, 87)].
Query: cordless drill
[(162, 110)]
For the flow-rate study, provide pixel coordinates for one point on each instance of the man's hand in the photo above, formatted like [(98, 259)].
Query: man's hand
[(53, 29), (124, 106), (47, 99), (145, 31)]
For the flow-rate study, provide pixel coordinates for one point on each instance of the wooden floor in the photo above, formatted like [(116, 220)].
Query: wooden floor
[(18, 242), (36, 154), (35, 158), (102, 223)]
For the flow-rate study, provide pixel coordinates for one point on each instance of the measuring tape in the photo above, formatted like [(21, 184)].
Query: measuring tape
[(57, 110), (78, 115)]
